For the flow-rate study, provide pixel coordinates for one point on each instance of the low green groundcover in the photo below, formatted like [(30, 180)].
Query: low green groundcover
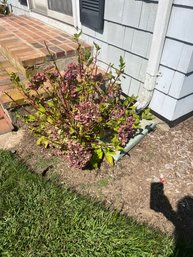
[(39, 217)]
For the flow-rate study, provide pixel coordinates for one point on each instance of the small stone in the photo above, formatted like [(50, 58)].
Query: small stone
[(178, 174), (190, 183), (169, 166), (13, 151), (155, 179)]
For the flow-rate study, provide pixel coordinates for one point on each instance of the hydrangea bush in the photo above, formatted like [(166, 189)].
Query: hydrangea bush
[(80, 111)]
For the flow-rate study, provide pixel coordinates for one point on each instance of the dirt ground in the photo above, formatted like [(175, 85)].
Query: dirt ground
[(165, 156)]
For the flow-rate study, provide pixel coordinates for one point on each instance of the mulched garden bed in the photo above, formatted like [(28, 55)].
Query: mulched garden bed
[(165, 156)]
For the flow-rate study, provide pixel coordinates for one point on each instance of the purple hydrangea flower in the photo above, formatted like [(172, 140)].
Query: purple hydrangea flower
[(78, 156), (37, 81), (125, 131), (53, 75), (86, 112), (71, 72), (118, 112)]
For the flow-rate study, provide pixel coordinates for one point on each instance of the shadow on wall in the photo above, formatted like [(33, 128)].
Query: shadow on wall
[(182, 219)]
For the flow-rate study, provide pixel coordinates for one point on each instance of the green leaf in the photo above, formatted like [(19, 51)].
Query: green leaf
[(87, 54), (43, 141), (14, 77), (147, 115), (42, 109), (77, 35), (115, 140), (119, 148), (50, 120), (97, 47), (31, 118), (50, 103), (89, 61), (46, 143), (96, 158), (99, 153), (109, 158), (129, 101), (40, 140), (137, 121), (121, 63), (72, 130), (18, 115), (16, 80)]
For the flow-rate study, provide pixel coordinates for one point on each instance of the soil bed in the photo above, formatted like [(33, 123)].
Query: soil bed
[(126, 186)]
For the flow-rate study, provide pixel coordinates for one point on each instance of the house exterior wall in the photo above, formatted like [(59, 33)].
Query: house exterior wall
[(128, 29), (128, 32), (173, 95)]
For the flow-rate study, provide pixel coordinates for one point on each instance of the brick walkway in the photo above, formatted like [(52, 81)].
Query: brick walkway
[(22, 45), (22, 41)]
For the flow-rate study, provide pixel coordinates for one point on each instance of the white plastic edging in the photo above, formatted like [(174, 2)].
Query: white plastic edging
[(147, 126)]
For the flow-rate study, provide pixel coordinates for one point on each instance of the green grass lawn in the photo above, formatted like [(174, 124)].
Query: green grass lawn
[(40, 218)]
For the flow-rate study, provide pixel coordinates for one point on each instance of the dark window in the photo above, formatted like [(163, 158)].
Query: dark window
[(64, 6), (92, 13), (23, 2)]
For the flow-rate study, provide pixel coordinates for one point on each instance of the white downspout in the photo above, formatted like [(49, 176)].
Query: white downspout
[(159, 34), (76, 14)]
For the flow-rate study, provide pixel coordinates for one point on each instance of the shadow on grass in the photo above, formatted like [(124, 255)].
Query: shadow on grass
[(182, 219)]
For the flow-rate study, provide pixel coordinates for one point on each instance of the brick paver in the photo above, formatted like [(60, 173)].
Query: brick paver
[(6, 68), (22, 40), (5, 126), (22, 45)]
